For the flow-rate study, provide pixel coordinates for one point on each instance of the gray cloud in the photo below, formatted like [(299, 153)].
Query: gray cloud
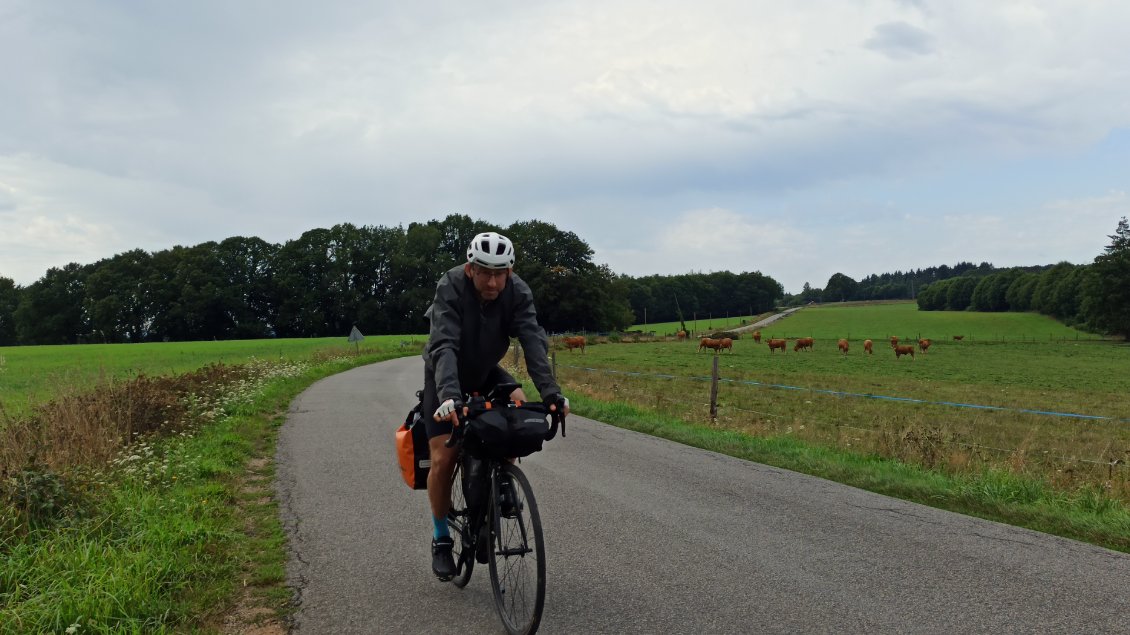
[(899, 41), (130, 125)]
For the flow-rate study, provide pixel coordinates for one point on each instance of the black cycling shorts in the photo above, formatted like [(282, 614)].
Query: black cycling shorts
[(429, 401)]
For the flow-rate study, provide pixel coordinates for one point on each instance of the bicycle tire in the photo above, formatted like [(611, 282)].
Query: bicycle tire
[(517, 557), (457, 522)]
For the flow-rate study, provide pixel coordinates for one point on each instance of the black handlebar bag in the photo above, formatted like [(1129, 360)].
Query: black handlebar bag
[(507, 433)]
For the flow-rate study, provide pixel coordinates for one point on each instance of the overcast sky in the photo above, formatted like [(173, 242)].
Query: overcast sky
[(845, 136)]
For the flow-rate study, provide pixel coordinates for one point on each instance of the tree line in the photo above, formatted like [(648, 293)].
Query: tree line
[(898, 285), (1095, 297), (323, 283), (701, 295)]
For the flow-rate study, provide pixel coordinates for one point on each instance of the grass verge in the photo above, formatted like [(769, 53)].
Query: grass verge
[(1087, 515), (166, 537)]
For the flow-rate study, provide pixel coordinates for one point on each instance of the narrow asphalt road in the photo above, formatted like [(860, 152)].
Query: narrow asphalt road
[(648, 536)]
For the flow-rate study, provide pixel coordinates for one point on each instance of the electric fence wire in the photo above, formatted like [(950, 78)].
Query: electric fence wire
[(974, 446)]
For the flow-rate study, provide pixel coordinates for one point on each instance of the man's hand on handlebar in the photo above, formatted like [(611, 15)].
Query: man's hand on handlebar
[(557, 404), (451, 410)]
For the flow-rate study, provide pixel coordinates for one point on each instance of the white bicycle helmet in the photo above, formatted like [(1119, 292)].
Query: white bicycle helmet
[(491, 250)]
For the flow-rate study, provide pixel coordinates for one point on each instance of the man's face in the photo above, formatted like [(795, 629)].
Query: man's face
[(488, 282)]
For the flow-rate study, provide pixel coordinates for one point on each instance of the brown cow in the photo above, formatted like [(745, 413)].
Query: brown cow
[(804, 343), (577, 341), (958, 337), (727, 344), (867, 347), (894, 341), (757, 336), (904, 350), (924, 344), (843, 344), (707, 342), (775, 344), (682, 335)]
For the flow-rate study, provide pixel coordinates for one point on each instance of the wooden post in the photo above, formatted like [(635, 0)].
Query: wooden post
[(714, 391), (516, 347), (553, 357)]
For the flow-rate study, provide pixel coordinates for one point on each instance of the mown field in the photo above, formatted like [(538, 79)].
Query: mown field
[(35, 374)]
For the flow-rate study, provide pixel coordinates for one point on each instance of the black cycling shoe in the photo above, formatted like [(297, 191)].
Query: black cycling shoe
[(508, 505), (443, 564)]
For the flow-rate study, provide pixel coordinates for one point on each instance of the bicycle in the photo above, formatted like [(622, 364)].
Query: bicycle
[(498, 524)]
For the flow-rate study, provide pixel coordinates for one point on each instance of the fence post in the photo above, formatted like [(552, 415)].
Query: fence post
[(714, 390)]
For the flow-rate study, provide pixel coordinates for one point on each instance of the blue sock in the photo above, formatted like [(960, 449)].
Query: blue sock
[(440, 528)]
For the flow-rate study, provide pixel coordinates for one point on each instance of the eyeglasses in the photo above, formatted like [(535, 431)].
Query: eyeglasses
[(492, 274)]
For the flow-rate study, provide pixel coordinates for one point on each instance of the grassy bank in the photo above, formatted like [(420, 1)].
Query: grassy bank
[(997, 494), (173, 530)]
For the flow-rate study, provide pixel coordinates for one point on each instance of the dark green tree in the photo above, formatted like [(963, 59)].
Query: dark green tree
[(9, 300), (248, 265), (1019, 293), (51, 309), (960, 293), (840, 288), (1106, 303), (116, 301)]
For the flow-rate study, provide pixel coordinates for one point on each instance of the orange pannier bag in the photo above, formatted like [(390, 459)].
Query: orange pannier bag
[(412, 450)]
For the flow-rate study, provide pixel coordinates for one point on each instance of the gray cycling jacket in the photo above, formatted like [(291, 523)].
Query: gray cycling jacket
[(468, 339)]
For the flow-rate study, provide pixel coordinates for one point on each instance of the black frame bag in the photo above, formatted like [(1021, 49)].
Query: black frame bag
[(412, 450), (507, 433)]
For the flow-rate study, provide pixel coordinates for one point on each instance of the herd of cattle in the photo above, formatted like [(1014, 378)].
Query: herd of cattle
[(806, 344), (799, 344)]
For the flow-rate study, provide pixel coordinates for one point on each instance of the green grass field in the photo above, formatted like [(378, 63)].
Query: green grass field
[(34, 374), (880, 320), (858, 322), (1014, 362)]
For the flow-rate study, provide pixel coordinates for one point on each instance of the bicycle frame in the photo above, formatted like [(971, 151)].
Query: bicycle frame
[(514, 541)]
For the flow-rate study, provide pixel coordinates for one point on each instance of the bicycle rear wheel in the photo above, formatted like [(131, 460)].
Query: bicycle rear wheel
[(517, 556), (458, 523)]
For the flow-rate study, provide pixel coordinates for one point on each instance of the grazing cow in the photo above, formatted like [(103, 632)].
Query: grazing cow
[(727, 344), (958, 337), (757, 336), (682, 335), (924, 344), (894, 341), (803, 343), (708, 342), (904, 350), (577, 341), (843, 344), (775, 344), (867, 347)]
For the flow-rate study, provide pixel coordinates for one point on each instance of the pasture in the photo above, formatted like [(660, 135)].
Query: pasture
[(31, 375), (879, 321), (1010, 361)]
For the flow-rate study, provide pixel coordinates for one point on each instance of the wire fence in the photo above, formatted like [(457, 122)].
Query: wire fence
[(715, 408)]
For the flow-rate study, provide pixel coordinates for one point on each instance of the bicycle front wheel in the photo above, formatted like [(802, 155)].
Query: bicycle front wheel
[(458, 522), (517, 553)]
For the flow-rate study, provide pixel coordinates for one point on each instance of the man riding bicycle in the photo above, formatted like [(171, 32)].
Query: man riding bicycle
[(477, 308)]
